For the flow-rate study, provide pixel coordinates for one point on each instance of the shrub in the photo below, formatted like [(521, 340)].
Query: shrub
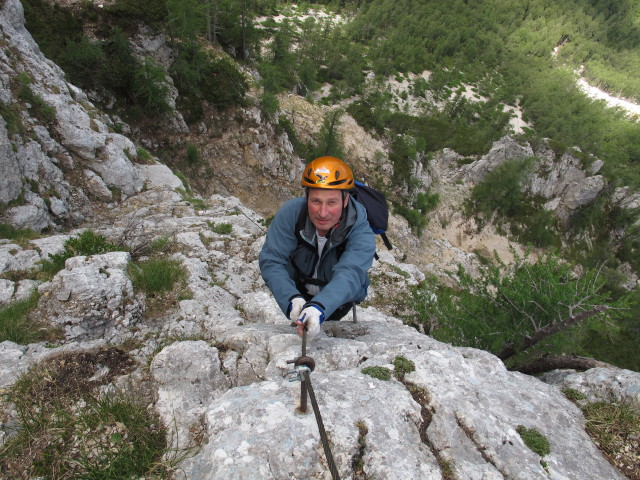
[(223, 84), (427, 202), (501, 190), (151, 11), (150, 87), (193, 156), (269, 104), (493, 311), (82, 60), (533, 439), (417, 221)]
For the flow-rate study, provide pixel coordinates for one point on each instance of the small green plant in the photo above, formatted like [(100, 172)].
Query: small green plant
[(87, 243), (185, 182), (43, 112), (161, 244), (357, 461), (533, 439), (221, 228), (381, 373), (156, 275), (573, 395), (402, 366)]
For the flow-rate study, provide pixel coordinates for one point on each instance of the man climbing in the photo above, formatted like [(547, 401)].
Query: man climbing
[(319, 248)]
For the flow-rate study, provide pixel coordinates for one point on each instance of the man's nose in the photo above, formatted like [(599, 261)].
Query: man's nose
[(323, 210)]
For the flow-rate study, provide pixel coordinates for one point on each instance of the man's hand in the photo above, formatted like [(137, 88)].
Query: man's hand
[(310, 318), (295, 307)]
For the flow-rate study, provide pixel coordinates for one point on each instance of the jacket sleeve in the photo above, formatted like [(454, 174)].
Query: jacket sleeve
[(273, 259), (350, 275)]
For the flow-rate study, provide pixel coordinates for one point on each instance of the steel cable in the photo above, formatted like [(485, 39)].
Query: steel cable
[(323, 433), (305, 386)]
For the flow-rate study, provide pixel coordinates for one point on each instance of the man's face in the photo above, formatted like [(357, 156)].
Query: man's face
[(325, 208)]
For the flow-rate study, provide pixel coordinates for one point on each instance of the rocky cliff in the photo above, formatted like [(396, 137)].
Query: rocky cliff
[(216, 362)]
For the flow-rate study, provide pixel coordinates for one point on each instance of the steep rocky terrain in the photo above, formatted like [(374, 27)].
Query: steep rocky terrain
[(214, 362)]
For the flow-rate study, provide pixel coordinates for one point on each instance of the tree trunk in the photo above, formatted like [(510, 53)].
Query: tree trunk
[(510, 350), (573, 362)]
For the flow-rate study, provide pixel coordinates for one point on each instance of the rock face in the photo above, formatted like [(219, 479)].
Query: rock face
[(34, 152), (218, 360), (92, 298), (227, 390)]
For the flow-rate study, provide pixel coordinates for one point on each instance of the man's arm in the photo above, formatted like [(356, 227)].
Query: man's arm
[(280, 243)]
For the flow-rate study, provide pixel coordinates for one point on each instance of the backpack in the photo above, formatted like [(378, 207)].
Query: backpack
[(375, 204)]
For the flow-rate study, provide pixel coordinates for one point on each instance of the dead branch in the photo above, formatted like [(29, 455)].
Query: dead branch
[(572, 362), (510, 349)]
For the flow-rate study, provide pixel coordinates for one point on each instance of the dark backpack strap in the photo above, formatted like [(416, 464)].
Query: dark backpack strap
[(386, 241)]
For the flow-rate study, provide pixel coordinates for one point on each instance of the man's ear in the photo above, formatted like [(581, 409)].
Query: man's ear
[(346, 200)]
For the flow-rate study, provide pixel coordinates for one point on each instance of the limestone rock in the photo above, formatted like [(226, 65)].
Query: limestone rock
[(599, 384), (93, 298), (189, 377)]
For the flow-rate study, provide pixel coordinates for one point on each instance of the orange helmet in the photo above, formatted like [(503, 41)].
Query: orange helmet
[(328, 172)]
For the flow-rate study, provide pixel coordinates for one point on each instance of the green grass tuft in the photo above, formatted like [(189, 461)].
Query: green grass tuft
[(17, 327), (156, 275), (533, 439)]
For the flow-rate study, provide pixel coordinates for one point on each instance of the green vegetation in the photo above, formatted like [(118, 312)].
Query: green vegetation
[(499, 198), (573, 395), (222, 228), (150, 87), (87, 243), (381, 373), (189, 196), (402, 366), (417, 216), (615, 428), (526, 310), (156, 276), (67, 429), (37, 107), (18, 235), (533, 439), (16, 325), (193, 155)]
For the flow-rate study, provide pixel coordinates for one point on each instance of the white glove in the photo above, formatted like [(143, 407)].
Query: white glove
[(312, 317), (295, 307)]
